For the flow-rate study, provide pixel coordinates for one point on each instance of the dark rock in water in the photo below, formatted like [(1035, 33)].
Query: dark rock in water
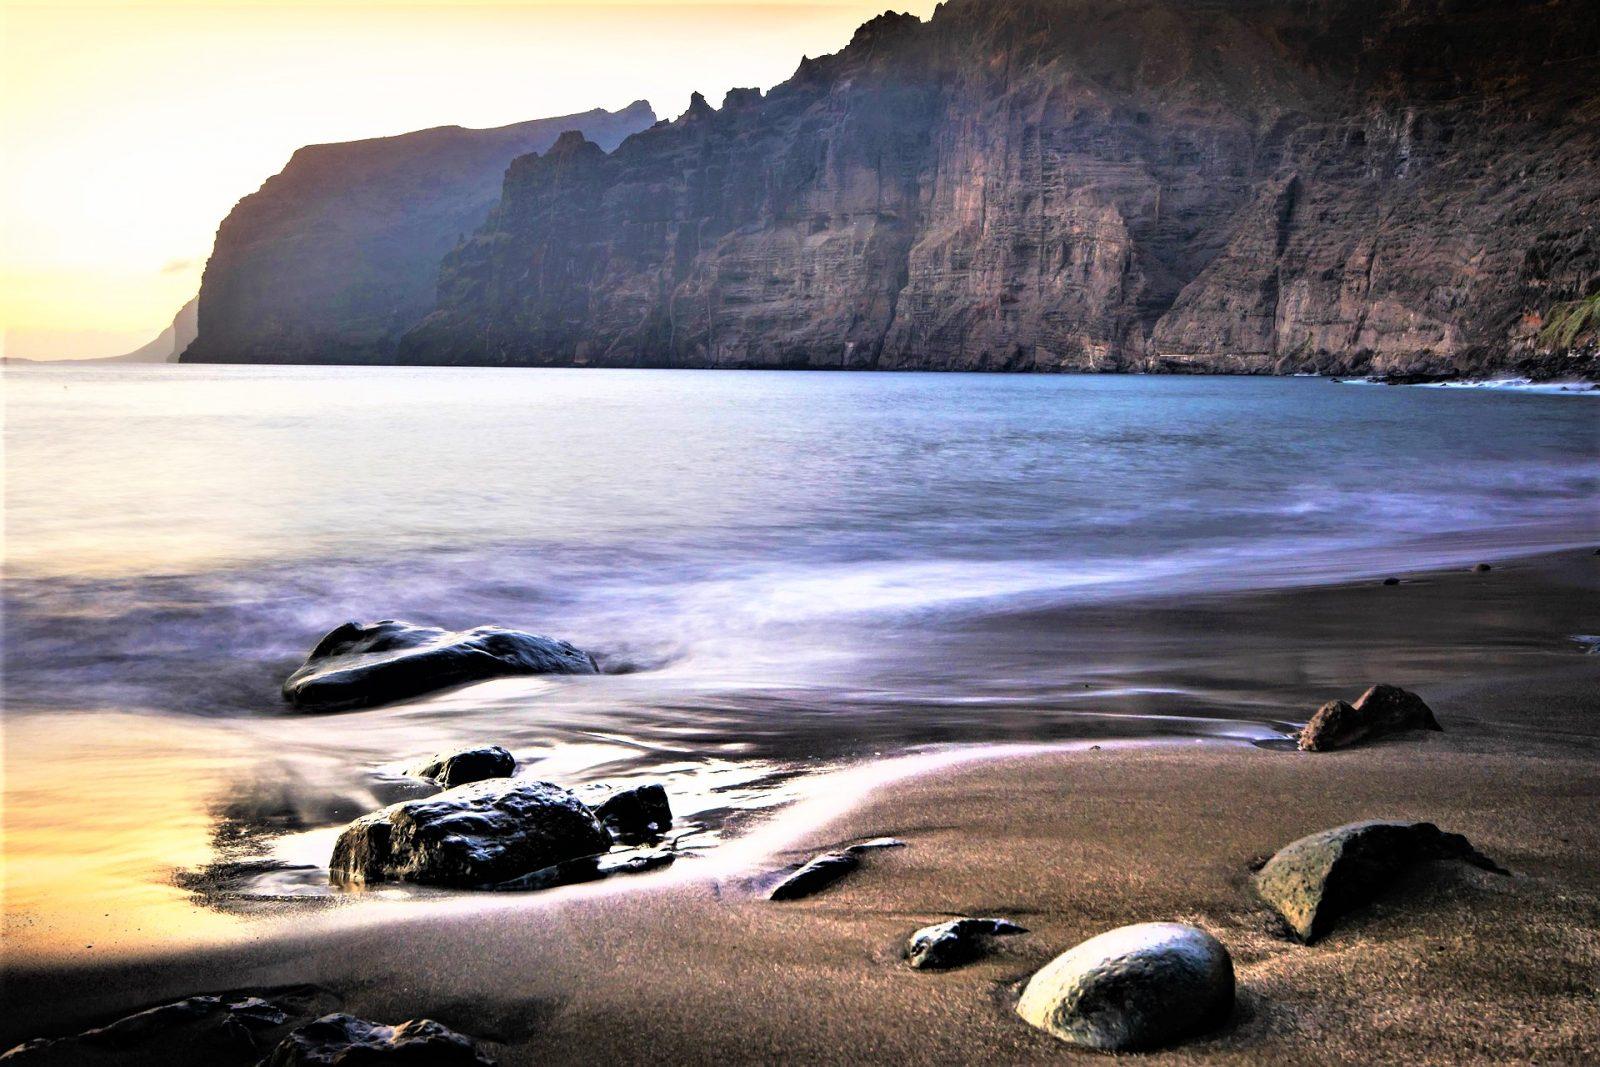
[(1391, 581), (200, 1030), (815, 876), (636, 814), (469, 765), (1136, 987), (474, 836), (1383, 709), (1317, 879), (345, 1040), (953, 943), (359, 665), (1481, 568)]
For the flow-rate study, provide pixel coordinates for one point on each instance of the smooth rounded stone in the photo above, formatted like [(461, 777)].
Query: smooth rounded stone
[(1481, 568), (474, 836), (362, 664), (1136, 987), (451, 769), (345, 1040), (1391, 581), (815, 876), (1383, 709), (950, 944), (1314, 881), (636, 814)]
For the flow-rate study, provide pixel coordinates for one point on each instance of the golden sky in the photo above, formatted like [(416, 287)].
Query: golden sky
[(128, 129)]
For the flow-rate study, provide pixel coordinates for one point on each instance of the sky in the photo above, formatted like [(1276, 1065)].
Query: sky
[(129, 129)]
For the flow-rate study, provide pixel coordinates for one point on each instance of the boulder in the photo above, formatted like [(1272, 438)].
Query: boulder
[(344, 1039), (1317, 879), (362, 664), (950, 944), (451, 769), (815, 876), (1136, 987), (1383, 709), (636, 814), (474, 836)]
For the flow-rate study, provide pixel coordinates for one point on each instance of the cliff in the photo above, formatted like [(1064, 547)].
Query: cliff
[(170, 343), (1179, 185), (338, 254)]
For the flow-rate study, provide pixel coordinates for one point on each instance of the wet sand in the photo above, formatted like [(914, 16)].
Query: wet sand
[(1453, 965)]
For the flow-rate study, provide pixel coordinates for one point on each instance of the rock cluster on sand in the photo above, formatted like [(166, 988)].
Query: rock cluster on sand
[(344, 1039), (1317, 879), (451, 769), (202, 1030), (637, 814), (950, 944), (472, 836), (360, 665), (1383, 709), (1136, 987)]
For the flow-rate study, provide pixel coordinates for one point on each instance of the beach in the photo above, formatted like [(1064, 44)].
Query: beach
[(1452, 964)]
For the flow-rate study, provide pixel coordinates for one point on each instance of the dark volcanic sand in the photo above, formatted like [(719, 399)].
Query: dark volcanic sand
[(1454, 965)]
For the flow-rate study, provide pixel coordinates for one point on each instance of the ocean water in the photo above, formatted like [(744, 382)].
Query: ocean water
[(779, 573)]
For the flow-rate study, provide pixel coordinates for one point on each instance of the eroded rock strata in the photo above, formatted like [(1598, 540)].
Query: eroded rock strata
[(1077, 185)]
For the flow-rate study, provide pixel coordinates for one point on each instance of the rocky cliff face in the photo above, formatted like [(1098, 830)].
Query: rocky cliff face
[(1181, 185), (338, 255)]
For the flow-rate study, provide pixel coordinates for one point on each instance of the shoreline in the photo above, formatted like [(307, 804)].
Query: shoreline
[(1499, 383), (1070, 840)]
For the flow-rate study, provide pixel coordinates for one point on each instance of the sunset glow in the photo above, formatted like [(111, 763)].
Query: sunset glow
[(130, 129)]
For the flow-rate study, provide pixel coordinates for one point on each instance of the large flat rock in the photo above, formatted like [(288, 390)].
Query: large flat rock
[(364, 664)]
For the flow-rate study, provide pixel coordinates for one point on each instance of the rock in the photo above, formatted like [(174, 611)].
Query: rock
[(1136, 987), (359, 665), (345, 1040), (1391, 581), (1317, 879), (875, 844), (474, 836), (950, 944), (201, 1030), (1481, 568), (468, 765), (636, 814), (589, 869), (1383, 709), (815, 876)]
